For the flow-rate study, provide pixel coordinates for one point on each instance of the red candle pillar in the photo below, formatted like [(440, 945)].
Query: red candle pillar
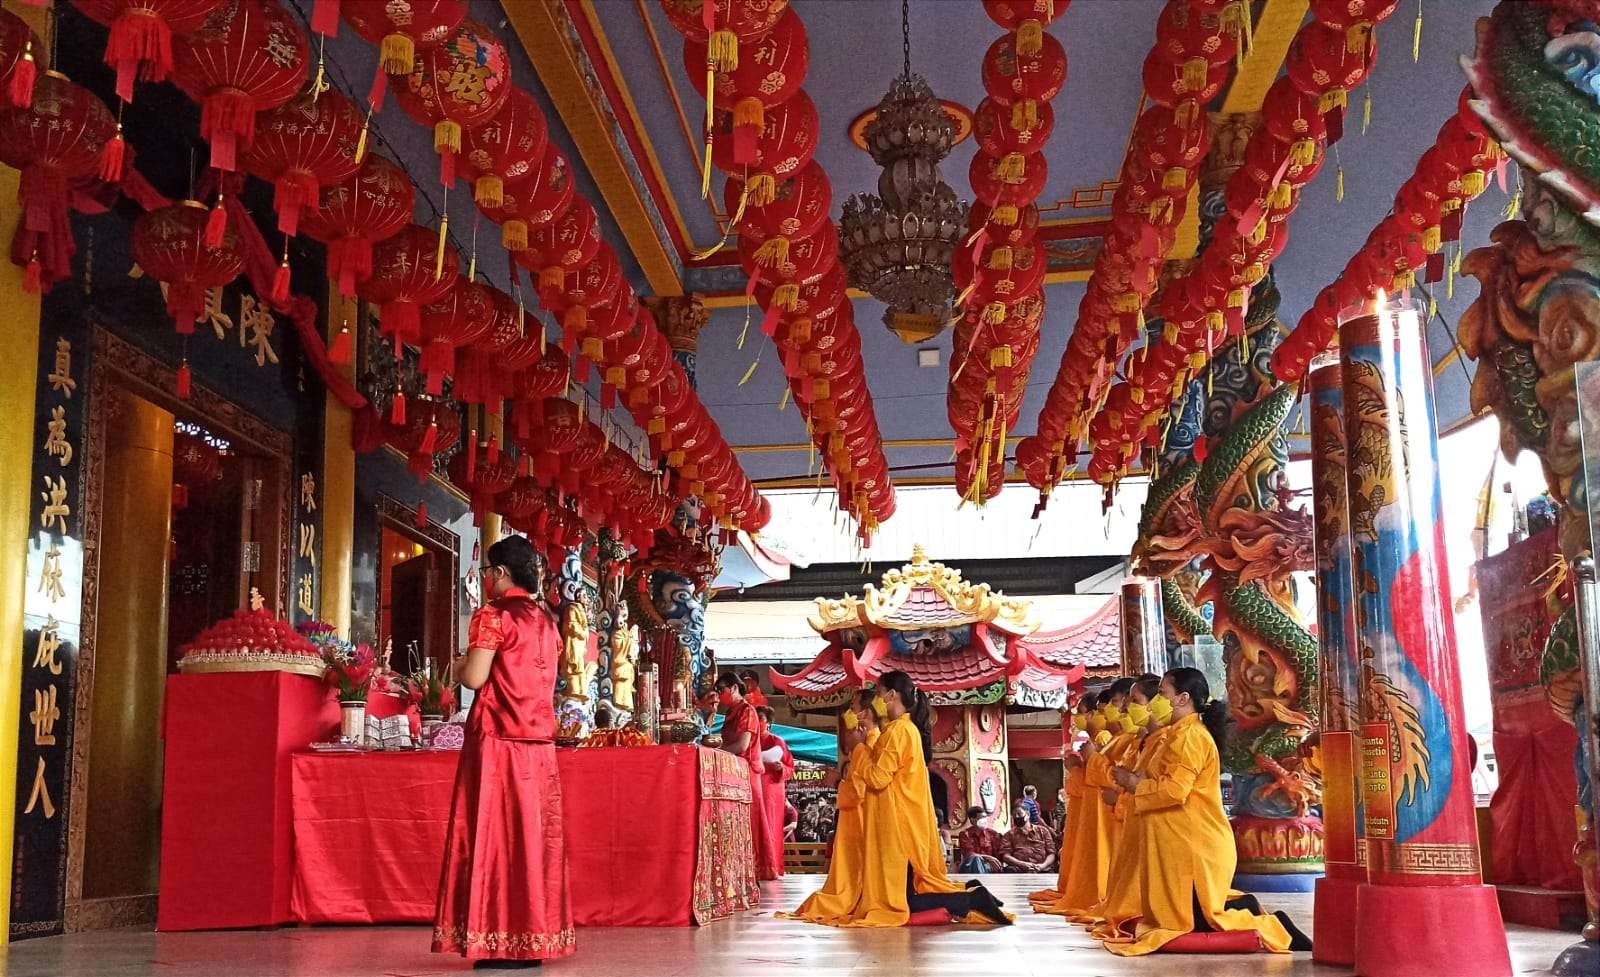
[(1344, 848), (1425, 911)]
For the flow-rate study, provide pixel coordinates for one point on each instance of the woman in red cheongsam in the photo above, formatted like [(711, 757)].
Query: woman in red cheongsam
[(503, 890)]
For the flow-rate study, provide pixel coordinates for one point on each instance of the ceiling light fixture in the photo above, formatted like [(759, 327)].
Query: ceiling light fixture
[(896, 245)]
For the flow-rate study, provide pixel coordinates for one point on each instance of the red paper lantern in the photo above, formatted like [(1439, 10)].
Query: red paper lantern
[(169, 245), (370, 205), (19, 48), (724, 24), (798, 205), (460, 317), (998, 134), (1356, 18), (1028, 18), (769, 72), (1187, 31), (1021, 81), (457, 85), (140, 44), (506, 149), (595, 284), (1008, 181), (534, 202), (55, 141), (1170, 144), (406, 275), (247, 57), (787, 140), (401, 30), (1320, 63), (801, 260), (433, 428), (301, 146), (561, 245), (1179, 85)]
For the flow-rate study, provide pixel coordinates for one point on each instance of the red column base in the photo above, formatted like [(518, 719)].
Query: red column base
[(1430, 931), (1333, 921)]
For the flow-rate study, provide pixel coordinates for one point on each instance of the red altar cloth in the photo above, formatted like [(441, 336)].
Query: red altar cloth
[(225, 842), (1532, 809), (653, 835)]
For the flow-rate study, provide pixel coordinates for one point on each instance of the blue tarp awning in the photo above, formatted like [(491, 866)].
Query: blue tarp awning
[(811, 745)]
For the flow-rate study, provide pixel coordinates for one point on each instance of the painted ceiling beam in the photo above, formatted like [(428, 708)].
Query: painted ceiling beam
[(1273, 32), (542, 28)]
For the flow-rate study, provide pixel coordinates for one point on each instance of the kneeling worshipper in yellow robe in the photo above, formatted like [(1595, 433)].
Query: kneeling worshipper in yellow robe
[(1072, 800), (1185, 849), (1152, 713), (840, 893), (1094, 840), (903, 872)]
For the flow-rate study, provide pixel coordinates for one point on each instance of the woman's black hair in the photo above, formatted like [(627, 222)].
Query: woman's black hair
[(728, 680), (1213, 712), (865, 697), (1148, 686), (1122, 686), (521, 561), (917, 706)]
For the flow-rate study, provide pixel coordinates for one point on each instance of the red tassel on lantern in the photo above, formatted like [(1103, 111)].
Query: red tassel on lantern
[(325, 17), (472, 457), (280, 284), (430, 439), (216, 224), (493, 454), (183, 380), (342, 351), (397, 409), (422, 515), (33, 276), (111, 158), (23, 74)]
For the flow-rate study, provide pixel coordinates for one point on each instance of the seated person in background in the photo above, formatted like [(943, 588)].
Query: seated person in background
[(1029, 846), (980, 846), (1030, 800)]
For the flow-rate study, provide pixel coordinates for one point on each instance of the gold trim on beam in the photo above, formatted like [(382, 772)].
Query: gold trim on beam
[(1274, 29), (539, 28)]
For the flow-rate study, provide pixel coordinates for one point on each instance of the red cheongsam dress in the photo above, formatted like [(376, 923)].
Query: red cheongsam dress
[(503, 889), (775, 779), (768, 838)]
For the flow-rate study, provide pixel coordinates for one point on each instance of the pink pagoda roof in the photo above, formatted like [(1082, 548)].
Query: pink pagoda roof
[(1094, 643)]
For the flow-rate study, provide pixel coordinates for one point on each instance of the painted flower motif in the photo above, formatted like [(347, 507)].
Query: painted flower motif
[(1576, 57), (1569, 323)]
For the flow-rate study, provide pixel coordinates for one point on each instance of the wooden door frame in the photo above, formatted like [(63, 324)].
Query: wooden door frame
[(118, 365), (402, 520)]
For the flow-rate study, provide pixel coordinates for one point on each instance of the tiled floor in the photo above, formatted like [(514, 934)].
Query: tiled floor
[(755, 944)]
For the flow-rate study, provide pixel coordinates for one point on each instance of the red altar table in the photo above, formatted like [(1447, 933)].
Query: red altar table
[(656, 836)]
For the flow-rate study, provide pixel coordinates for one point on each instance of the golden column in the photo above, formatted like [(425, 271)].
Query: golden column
[(338, 481), (19, 368), (122, 838)]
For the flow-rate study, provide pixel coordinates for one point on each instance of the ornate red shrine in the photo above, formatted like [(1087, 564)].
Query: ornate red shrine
[(965, 645)]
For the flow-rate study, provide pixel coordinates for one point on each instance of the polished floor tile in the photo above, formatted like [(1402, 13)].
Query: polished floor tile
[(751, 945)]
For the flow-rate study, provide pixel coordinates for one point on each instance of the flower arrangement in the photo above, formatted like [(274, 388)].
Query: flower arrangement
[(350, 670), (433, 695)]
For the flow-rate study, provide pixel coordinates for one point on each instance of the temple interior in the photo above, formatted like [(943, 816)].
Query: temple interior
[(615, 484)]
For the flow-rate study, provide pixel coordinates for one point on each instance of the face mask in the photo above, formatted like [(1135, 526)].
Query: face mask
[(1097, 723), (1139, 713), (1129, 726), (1161, 709), (850, 720), (725, 697), (1080, 722)]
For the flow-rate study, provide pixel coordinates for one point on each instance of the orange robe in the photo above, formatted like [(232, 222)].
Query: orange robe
[(1073, 791), (1185, 848), (901, 831), (1096, 836), (1122, 892), (839, 894)]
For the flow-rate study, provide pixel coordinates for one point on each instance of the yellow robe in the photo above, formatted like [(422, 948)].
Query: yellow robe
[(1072, 791), (840, 893), (1122, 892), (1185, 848), (901, 831), (1095, 838)]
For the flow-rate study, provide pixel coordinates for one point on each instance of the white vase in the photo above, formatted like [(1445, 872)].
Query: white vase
[(353, 722)]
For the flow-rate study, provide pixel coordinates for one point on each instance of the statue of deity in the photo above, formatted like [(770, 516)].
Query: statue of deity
[(575, 668), (622, 663)]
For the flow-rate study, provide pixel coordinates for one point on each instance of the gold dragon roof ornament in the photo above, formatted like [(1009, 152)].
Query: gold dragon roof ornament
[(922, 595)]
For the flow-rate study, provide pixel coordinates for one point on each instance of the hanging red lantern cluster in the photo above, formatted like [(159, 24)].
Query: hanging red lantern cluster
[(142, 33), (749, 59), (1427, 215), (1186, 67), (457, 86), (1302, 113), (1001, 272)]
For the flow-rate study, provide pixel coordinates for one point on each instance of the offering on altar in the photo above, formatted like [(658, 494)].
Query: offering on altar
[(624, 736), (573, 724), (446, 736), (252, 640), (389, 733), (433, 695)]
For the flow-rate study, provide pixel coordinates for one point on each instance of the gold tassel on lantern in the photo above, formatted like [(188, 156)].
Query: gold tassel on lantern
[(723, 50), (748, 112), (1005, 215), (999, 259), (1000, 358), (773, 252), (1431, 239), (447, 135), (593, 349), (361, 140), (1259, 232), (1024, 114), (438, 255), (1012, 168), (514, 235), (763, 189), (994, 313), (1302, 152), (1194, 74), (489, 191), (397, 53), (1175, 178), (786, 297), (1281, 196), (1333, 98), (800, 330), (1474, 182)]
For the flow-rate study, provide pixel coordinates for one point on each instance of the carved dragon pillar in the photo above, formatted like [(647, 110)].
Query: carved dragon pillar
[(1536, 80), (1225, 503)]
